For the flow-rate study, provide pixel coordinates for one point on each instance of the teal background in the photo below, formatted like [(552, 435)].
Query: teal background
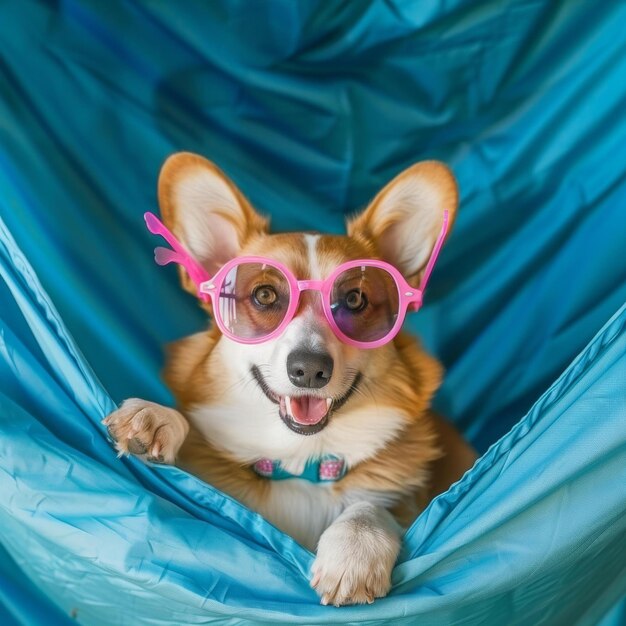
[(311, 107)]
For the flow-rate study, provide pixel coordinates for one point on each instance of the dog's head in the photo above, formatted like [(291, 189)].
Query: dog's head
[(306, 378)]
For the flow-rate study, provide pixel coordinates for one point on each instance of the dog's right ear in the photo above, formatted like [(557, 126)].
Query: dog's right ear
[(405, 218), (205, 211)]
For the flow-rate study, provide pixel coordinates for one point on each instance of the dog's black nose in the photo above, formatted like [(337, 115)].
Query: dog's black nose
[(309, 369)]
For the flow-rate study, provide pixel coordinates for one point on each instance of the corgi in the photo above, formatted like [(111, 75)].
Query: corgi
[(304, 400)]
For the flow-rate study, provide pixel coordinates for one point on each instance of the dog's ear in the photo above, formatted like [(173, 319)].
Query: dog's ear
[(205, 211), (405, 218)]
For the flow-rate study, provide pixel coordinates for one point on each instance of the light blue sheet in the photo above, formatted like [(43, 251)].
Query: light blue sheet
[(311, 108)]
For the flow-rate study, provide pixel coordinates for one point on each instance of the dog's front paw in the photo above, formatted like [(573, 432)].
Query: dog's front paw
[(147, 429), (356, 555)]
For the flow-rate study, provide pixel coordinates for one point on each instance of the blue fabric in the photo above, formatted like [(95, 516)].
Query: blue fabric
[(311, 107)]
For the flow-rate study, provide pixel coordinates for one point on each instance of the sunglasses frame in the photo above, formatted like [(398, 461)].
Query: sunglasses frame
[(209, 287)]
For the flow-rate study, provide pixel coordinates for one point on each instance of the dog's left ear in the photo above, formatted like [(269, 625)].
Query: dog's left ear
[(205, 211), (405, 218)]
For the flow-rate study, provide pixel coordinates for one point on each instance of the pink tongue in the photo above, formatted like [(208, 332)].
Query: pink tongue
[(306, 410)]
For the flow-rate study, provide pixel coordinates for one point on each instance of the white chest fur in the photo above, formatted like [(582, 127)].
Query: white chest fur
[(301, 509)]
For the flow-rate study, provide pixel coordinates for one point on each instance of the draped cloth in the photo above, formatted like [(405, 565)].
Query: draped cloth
[(311, 107)]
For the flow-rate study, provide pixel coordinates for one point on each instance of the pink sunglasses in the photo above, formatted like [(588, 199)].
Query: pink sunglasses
[(254, 299)]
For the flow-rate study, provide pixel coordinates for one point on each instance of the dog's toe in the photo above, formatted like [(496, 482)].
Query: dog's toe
[(136, 446)]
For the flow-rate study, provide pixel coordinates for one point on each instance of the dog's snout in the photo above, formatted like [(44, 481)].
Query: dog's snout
[(309, 369)]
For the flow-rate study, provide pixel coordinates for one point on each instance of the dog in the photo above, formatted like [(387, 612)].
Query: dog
[(295, 401)]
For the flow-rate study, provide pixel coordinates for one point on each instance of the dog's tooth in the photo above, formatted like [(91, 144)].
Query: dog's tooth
[(288, 406), (329, 401)]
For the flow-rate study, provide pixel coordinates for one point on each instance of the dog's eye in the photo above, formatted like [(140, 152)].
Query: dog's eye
[(264, 295), (356, 300)]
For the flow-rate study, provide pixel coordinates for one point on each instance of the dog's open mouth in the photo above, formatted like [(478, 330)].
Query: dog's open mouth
[(305, 414)]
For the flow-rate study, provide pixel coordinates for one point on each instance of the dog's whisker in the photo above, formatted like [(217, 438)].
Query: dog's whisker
[(367, 388), (244, 381)]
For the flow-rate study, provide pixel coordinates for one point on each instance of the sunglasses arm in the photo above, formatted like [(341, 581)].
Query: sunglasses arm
[(416, 296), (177, 254), (435, 253)]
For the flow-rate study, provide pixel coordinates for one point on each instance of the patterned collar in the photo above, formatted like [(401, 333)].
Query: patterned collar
[(327, 468)]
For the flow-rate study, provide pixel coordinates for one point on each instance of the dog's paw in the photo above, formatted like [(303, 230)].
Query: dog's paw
[(356, 555), (147, 429)]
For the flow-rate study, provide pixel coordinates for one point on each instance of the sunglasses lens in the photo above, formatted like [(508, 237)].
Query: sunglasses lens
[(364, 303), (253, 300)]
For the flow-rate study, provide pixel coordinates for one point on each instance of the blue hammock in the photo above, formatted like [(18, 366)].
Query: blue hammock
[(311, 107)]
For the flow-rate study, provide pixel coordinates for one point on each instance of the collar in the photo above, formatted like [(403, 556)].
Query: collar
[(327, 468)]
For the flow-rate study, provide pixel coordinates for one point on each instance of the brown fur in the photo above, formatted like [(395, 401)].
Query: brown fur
[(216, 467), (422, 460)]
